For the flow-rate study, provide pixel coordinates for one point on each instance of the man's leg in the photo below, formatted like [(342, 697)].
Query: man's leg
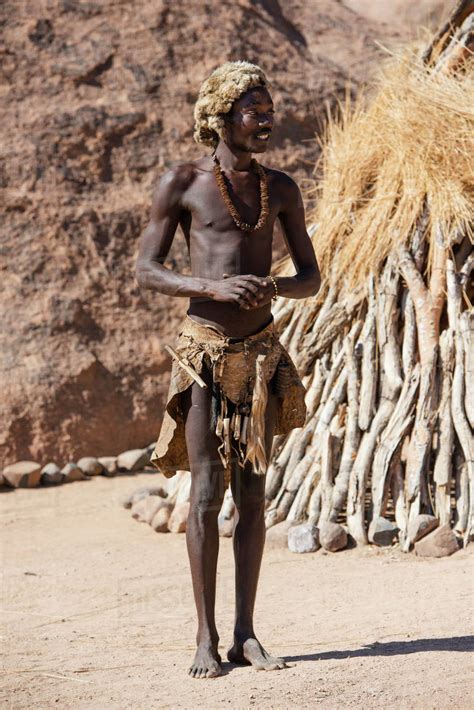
[(248, 491), (202, 534)]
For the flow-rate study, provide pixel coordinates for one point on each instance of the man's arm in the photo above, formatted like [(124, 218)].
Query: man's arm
[(158, 236), (307, 280)]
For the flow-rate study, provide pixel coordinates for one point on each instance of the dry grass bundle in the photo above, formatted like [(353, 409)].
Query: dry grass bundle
[(380, 165), (387, 348)]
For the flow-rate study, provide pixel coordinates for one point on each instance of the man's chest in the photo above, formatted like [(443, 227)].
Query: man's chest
[(211, 206)]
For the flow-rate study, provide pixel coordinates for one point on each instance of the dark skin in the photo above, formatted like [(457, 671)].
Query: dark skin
[(229, 289)]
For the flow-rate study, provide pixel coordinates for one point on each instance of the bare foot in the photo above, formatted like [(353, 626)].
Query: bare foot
[(206, 662), (249, 651)]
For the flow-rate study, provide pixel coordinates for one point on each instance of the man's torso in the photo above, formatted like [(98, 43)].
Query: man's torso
[(217, 246)]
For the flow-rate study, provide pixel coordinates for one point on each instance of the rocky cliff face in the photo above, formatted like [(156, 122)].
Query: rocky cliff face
[(98, 101)]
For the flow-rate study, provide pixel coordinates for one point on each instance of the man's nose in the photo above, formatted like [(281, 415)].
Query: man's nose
[(265, 120)]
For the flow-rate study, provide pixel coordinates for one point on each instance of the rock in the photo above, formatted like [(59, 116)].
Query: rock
[(332, 536), (421, 526), (178, 518), (2, 481), (51, 474), (72, 472), (150, 448), (383, 532), (441, 542), (277, 535), (133, 460), (303, 538), (143, 492), (109, 465), (152, 506), (23, 474), (139, 510), (226, 526), (161, 519), (90, 465)]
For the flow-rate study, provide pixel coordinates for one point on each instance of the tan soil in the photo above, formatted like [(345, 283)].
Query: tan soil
[(98, 613)]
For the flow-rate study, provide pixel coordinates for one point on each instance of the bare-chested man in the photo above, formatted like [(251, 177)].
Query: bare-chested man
[(222, 427)]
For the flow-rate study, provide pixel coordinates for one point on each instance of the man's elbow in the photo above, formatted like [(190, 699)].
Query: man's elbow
[(315, 282), (140, 274)]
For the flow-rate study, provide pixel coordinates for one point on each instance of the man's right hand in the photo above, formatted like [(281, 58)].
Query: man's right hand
[(248, 291)]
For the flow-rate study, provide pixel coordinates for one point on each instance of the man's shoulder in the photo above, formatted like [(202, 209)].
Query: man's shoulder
[(179, 177), (281, 179)]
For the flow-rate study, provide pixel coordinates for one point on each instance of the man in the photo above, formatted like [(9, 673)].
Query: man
[(233, 385)]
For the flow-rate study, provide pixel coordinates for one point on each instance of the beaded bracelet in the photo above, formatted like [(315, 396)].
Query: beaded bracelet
[(276, 294)]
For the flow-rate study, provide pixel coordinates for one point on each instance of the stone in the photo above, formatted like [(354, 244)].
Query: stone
[(226, 526), (384, 532), (277, 535), (23, 474), (161, 519), (133, 460), (303, 538), (109, 465), (150, 448), (332, 536), (178, 518), (90, 465), (143, 492), (72, 472), (152, 506), (51, 474), (139, 509), (421, 526), (2, 481), (441, 542)]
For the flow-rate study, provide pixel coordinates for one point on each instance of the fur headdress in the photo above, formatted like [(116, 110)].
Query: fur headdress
[(217, 94)]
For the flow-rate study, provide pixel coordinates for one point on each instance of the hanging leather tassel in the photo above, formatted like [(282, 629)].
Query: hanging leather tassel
[(237, 426), (256, 436), (243, 435)]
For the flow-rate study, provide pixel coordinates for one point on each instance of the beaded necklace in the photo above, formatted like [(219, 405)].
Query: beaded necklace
[(264, 211)]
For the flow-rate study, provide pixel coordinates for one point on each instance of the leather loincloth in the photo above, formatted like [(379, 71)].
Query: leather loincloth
[(241, 371)]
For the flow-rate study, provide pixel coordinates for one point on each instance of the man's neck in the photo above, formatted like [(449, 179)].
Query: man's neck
[(233, 159)]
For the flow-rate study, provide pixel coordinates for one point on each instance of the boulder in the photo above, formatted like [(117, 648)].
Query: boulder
[(277, 535), (139, 509), (90, 465), (2, 481), (332, 536), (23, 474), (178, 518), (161, 519), (151, 506), (226, 526), (51, 474), (383, 532), (441, 542), (303, 538), (72, 472), (421, 526), (133, 460), (109, 465), (143, 492)]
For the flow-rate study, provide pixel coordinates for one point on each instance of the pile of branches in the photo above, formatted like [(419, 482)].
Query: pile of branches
[(387, 347)]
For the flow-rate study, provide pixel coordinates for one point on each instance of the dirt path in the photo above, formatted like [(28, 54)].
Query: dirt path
[(98, 612)]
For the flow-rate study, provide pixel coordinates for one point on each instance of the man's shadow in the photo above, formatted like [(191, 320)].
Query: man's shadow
[(393, 648)]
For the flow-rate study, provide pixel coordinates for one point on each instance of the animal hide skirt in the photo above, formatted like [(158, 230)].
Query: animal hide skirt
[(242, 370)]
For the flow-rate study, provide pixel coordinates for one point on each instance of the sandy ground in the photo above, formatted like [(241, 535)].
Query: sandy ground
[(98, 612)]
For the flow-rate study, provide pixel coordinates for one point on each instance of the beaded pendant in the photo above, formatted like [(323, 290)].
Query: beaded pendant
[(244, 226)]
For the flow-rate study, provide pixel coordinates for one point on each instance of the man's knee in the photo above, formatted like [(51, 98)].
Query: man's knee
[(207, 492)]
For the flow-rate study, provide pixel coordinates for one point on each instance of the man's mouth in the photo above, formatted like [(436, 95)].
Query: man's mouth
[(263, 135)]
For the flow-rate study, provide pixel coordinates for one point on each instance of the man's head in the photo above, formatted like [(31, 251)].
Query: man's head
[(234, 105)]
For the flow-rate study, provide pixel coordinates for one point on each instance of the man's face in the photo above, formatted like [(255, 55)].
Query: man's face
[(250, 121)]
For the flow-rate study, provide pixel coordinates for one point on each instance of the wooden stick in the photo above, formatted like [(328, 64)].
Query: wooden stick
[(186, 366)]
